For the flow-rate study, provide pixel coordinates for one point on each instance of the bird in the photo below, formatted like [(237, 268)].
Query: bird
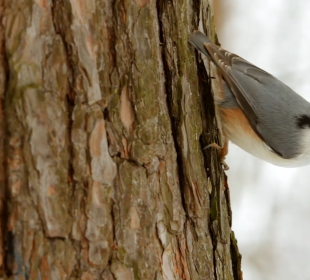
[(258, 113)]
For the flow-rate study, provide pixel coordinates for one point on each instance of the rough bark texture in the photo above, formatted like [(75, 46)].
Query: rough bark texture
[(104, 113)]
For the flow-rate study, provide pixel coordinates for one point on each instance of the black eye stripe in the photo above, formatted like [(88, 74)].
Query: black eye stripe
[(303, 121)]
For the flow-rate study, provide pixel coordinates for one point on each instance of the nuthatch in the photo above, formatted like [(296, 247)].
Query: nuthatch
[(258, 113)]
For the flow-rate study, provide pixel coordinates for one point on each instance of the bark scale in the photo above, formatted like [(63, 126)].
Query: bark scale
[(105, 110)]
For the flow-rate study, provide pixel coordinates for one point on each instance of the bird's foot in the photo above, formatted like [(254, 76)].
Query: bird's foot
[(223, 151)]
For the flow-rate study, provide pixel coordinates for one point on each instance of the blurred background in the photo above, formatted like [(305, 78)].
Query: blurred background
[(271, 205)]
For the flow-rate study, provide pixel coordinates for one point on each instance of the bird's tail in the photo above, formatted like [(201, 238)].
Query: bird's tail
[(198, 40)]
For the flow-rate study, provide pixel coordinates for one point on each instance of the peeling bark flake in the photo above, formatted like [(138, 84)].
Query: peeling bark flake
[(126, 110), (103, 168)]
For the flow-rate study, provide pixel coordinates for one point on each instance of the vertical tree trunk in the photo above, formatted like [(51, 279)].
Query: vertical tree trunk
[(105, 110)]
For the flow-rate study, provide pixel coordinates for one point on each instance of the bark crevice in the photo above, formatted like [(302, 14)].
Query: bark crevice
[(175, 124), (6, 236)]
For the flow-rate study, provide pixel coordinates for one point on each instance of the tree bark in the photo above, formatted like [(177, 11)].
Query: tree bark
[(105, 111)]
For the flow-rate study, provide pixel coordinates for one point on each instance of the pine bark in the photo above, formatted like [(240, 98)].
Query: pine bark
[(104, 113)]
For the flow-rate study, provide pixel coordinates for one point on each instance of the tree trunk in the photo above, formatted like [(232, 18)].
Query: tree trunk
[(105, 111)]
